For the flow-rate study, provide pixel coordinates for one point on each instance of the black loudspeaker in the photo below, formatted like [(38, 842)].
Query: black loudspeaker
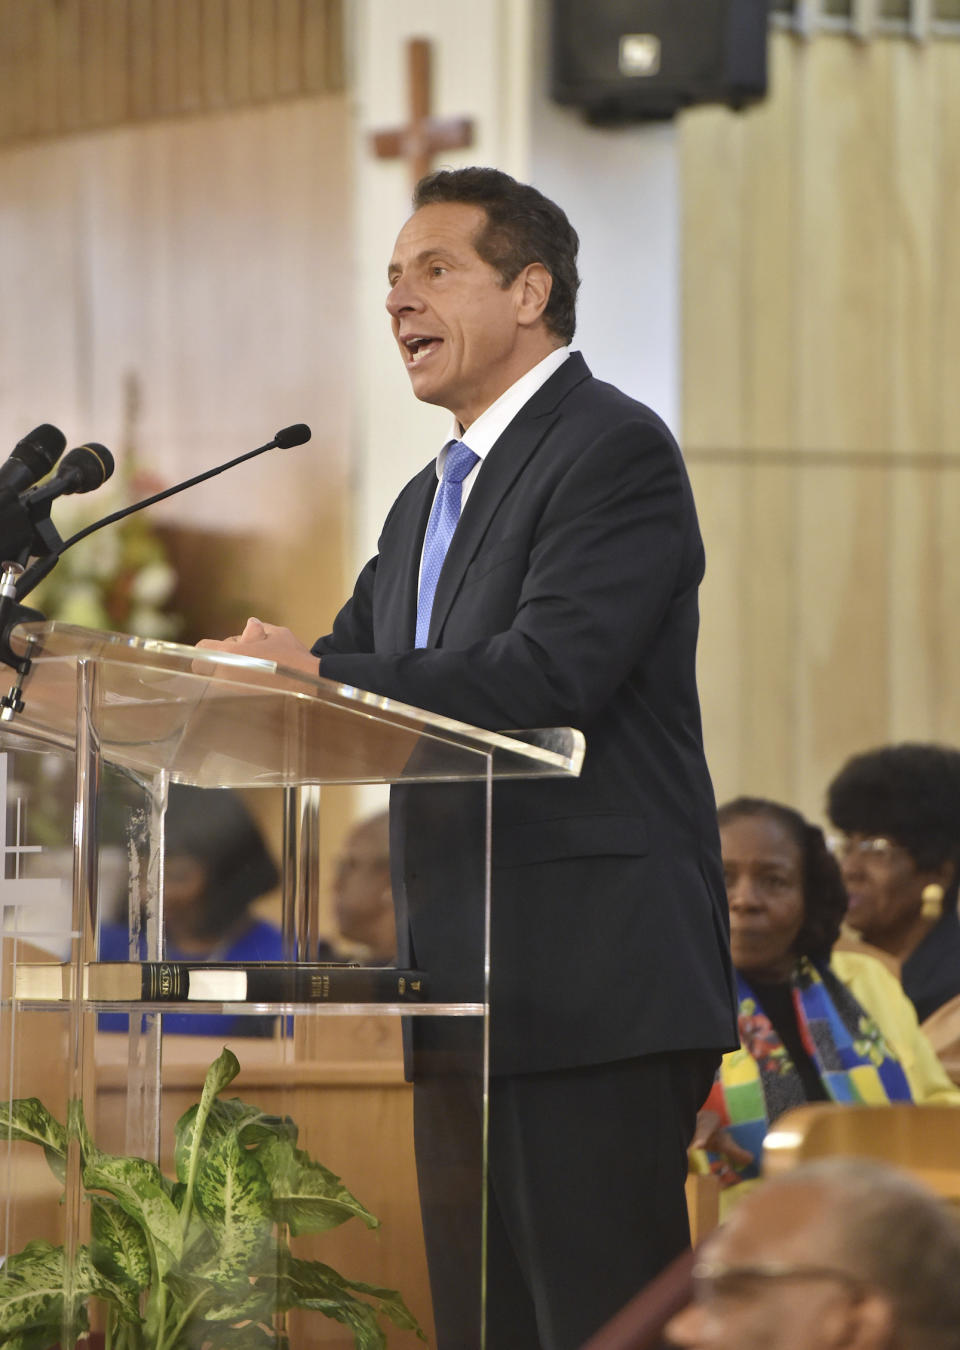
[(634, 60)]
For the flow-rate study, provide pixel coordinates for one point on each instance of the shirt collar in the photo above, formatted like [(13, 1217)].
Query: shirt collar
[(483, 434)]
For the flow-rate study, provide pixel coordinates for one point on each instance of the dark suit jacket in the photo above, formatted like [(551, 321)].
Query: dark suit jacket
[(568, 598)]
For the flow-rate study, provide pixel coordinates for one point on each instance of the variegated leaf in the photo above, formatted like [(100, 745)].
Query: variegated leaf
[(311, 1284), (139, 1189), (31, 1293), (223, 1301), (27, 1119), (307, 1196), (90, 1280), (222, 1071), (118, 1246), (232, 1195), (230, 1116)]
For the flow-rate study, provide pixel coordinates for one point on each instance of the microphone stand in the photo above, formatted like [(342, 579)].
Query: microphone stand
[(34, 535), (25, 534), (11, 614)]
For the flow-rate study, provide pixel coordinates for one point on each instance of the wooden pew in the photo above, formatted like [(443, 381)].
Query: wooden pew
[(923, 1140)]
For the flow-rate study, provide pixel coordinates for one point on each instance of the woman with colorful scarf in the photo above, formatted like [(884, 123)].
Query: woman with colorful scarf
[(814, 1025)]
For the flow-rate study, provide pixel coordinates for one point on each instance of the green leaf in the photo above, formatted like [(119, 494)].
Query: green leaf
[(38, 1339), (92, 1281), (232, 1116), (251, 1123), (307, 1196), (232, 1196), (31, 1293), (220, 1301), (389, 1304), (140, 1190), (77, 1128), (118, 1246), (311, 1284), (28, 1120), (222, 1071)]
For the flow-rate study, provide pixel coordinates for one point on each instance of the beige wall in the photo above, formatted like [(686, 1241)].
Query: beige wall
[(205, 257), (821, 321)]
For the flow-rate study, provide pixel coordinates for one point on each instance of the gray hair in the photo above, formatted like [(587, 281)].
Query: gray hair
[(898, 1236)]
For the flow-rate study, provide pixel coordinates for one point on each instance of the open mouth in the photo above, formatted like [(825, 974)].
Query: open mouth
[(419, 347)]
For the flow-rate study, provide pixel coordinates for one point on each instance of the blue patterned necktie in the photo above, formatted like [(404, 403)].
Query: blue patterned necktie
[(440, 527)]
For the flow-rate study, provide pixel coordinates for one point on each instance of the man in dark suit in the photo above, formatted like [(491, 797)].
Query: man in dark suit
[(567, 596)]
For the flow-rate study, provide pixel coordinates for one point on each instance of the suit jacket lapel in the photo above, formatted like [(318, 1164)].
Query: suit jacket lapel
[(502, 466), (396, 619)]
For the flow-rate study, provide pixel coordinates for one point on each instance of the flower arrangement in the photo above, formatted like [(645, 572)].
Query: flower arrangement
[(118, 578)]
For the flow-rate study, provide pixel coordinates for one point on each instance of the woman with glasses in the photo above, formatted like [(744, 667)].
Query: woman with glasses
[(899, 810), (815, 1025)]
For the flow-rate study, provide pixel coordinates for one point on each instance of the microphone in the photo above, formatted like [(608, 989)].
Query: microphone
[(32, 458), (285, 438), (81, 470)]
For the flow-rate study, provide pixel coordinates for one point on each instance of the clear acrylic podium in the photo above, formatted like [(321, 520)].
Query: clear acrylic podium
[(109, 723)]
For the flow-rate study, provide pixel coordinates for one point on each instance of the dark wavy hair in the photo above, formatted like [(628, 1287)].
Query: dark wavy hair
[(909, 793), (216, 827), (523, 226), (824, 894)]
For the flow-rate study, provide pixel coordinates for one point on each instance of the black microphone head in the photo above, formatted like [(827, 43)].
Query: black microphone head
[(33, 457), (290, 436), (87, 466)]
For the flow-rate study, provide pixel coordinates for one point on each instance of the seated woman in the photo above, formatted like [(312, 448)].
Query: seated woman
[(899, 809), (813, 1027), (216, 864)]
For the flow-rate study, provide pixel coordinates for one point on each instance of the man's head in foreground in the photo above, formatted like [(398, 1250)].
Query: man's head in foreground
[(483, 285), (841, 1253)]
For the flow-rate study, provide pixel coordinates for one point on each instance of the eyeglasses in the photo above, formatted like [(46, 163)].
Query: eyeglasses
[(872, 849), (714, 1279)]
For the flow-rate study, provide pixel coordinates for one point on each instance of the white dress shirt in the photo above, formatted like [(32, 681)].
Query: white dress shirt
[(483, 434)]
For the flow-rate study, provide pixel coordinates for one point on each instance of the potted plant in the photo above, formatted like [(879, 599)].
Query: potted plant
[(199, 1263)]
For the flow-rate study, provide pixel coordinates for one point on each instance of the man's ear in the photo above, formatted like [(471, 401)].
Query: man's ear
[(867, 1324), (534, 284)]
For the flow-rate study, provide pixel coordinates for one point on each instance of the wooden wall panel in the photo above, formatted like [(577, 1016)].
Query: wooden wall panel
[(945, 357), (821, 339), (915, 553), (75, 65), (841, 581), (913, 222), (844, 246), (945, 635), (770, 639), (711, 281), (720, 496)]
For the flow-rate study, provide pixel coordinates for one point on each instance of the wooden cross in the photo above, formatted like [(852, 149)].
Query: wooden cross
[(424, 135)]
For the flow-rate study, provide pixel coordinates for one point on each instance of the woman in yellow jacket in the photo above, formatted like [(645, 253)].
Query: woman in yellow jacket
[(815, 1025)]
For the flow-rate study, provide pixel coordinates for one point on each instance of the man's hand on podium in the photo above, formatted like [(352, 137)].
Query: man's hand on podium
[(267, 642)]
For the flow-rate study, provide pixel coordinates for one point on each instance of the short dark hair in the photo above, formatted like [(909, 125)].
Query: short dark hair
[(909, 793), (523, 226), (824, 894)]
